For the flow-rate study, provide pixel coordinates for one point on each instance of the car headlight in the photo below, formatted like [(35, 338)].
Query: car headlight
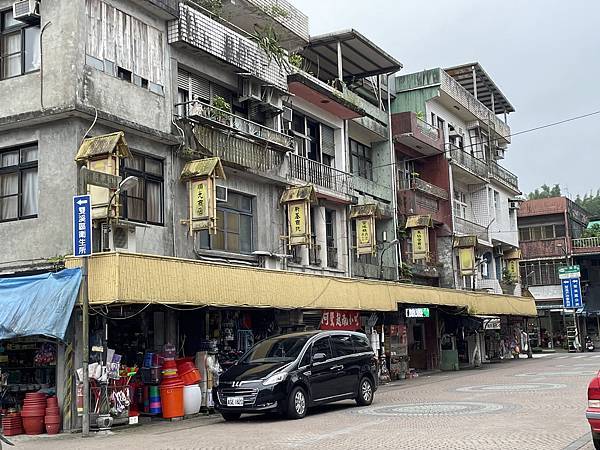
[(275, 379)]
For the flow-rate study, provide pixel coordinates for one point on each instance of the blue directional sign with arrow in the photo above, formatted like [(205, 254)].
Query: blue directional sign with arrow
[(82, 225)]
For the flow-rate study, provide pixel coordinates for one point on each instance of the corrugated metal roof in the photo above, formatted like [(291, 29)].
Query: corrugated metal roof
[(142, 279), (203, 167), (104, 145)]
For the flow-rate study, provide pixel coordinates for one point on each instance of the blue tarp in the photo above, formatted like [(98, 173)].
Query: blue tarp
[(38, 304)]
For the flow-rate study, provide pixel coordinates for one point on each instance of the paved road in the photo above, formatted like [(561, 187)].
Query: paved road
[(521, 404)]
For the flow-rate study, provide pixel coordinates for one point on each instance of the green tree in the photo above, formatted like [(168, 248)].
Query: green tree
[(592, 231), (545, 191), (590, 202)]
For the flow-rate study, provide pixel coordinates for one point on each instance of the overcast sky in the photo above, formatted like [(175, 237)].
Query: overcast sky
[(543, 54)]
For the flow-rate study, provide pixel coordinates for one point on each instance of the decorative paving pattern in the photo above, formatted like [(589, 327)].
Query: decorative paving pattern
[(522, 387), (434, 409), (562, 373)]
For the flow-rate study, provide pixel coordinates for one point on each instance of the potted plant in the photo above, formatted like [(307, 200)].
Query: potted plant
[(508, 282), (222, 109)]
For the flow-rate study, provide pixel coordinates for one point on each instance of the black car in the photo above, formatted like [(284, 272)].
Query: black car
[(292, 372)]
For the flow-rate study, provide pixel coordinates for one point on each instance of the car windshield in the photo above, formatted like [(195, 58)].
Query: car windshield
[(278, 349)]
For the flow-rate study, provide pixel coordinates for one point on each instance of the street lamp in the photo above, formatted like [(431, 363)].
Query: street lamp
[(390, 245), (124, 186)]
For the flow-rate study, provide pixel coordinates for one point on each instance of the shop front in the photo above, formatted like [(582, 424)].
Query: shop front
[(35, 312)]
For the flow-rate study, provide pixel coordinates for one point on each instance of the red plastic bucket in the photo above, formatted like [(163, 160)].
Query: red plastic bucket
[(171, 399)]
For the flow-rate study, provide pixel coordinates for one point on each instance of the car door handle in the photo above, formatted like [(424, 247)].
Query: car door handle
[(339, 367)]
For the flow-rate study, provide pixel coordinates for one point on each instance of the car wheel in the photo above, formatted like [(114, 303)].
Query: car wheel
[(231, 416), (297, 404), (596, 440), (365, 392)]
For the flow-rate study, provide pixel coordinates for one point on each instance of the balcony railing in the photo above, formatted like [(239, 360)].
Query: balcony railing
[(428, 129), (409, 130), (425, 187), (332, 257), (504, 176), (237, 150), (468, 162), (215, 116), (226, 42), (468, 228), (314, 172), (586, 243)]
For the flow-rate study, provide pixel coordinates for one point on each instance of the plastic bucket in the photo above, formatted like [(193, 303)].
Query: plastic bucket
[(190, 377), (192, 399), (171, 399)]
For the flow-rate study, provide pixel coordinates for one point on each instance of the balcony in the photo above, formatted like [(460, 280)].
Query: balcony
[(417, 134), (195, 29), (413, 202), (506, 177), (586, 246), (289, 23), (475, 168), (166, 9), (423, 186), (215, 117), (467, 228), (545, 248), (237, 150), (427, 268), (312, 172)]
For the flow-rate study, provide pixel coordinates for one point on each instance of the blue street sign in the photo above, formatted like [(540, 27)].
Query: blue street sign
[(576, 293), (566, 293), (82, 225), (571, 292)]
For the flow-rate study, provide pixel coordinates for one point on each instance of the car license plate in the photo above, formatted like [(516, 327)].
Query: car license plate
[(235, 401)]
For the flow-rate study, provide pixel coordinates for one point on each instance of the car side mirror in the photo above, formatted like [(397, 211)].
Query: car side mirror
[(319, 357)]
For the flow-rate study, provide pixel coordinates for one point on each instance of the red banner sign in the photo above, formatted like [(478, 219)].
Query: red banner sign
[(340, 320)]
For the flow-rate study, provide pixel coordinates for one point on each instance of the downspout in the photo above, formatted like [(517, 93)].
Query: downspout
[(349, 241), (398, 251), (42, 65)]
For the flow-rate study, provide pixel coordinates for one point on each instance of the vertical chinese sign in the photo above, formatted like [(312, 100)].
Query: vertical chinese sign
[(297, 201), (201, 177), (365, 216), (465, 246), (419, 226)]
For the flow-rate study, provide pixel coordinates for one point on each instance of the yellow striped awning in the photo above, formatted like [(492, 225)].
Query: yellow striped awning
[(142, 279)]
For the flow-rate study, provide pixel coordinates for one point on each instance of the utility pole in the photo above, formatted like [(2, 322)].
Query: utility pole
[(83, 290)]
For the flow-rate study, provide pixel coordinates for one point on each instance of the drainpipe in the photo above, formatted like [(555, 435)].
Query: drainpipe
[(398, 252), (42, 65)]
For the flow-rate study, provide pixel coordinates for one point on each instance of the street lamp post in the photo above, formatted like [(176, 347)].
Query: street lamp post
[(390, 245)]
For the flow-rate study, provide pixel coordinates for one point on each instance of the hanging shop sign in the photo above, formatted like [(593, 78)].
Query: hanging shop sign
[(365, 216), (340, 320), (201, 175), (420, 244), (512, 259), (417, 312), (103, 155), (298, 201), (466, 258)]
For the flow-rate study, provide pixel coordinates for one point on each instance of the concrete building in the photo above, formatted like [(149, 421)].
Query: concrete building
[(449, 138)]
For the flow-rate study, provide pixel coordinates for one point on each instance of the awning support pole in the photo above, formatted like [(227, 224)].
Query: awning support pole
[(340, 67), (85, 423)]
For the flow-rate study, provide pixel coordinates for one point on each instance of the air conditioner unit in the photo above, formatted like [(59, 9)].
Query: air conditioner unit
[(121, 238), (499, 153), (27, 11), (222, 192), (251, 90), (513, 204), (287, 114)]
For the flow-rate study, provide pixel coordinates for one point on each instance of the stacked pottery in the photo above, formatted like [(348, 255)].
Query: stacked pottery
[(12, 424), (52, 418), (34, 409)]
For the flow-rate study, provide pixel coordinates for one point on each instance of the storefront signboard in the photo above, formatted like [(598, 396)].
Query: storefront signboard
[(299, 222), (417, 312), (340, 320)]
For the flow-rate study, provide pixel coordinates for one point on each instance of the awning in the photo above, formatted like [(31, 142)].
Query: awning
[(104, 145), (364, 211), (203, 168), (419, 221), (360, 57), (38, 304), (143, 279), (299, 193)]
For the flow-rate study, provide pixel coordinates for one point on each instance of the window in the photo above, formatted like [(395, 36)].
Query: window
[(460, 204), (322, 346), (540, 273), (144, 202), (361, 344), (234, 226), (332, 256), (342, 345), (18, 183), (540, 232), (361, 160), (19, 46)]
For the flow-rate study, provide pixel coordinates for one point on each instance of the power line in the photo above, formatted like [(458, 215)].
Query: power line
[(549, 125)]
